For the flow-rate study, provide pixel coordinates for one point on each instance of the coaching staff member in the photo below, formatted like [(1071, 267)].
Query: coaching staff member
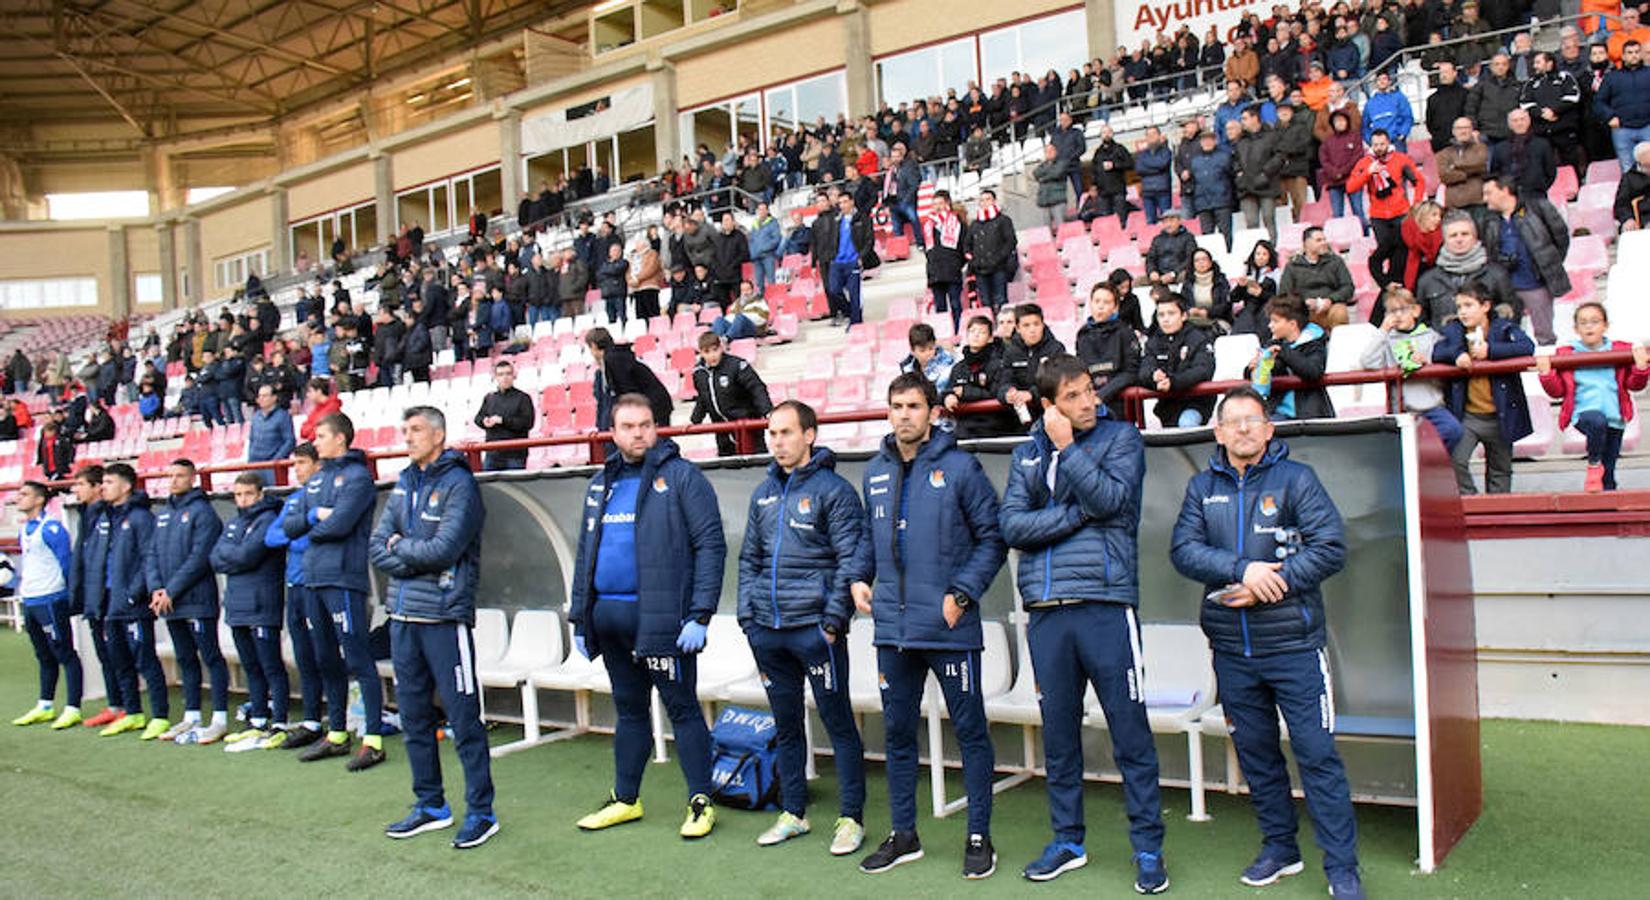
[(1261, 533), (646, 581)]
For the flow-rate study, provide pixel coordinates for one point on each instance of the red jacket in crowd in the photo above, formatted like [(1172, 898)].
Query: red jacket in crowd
[(323, 409), (1383, 180)]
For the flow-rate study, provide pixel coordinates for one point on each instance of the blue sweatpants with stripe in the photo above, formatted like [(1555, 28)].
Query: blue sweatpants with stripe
[(902, 674), (52, 634), (431, 660), (1073, 647), (338, 623), (634, 678), (131, 645), (1253, 691), (790, 659), (267, 688), (196, 643), (113, 698)]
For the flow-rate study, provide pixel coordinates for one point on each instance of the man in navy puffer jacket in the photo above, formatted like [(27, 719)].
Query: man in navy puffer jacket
[(337, 515), (803, 530), (646, 581), (183, 590), (115, 563), (1072, 509), (299, 604), (428, 540), (925, 602), (252, 608), (1260, 533)]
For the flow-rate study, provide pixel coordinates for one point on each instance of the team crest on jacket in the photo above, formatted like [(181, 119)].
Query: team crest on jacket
[(185, 519), (659, 486), (1268, 505), (804, 506), (337, 481), (936, 478), (435, 497)]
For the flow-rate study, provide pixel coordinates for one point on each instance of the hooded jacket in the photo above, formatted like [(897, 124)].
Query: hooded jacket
[(1111, 351), (730, 390), (252, 592), (955, 548), (796, 563), (435, 564), (84, 580), (122, 541), (1388, 110), (680, 576), (337, 552), (1276, 511), (179, 557), (1306, 357), (1077, 542), (624, 374), (1188, 358)]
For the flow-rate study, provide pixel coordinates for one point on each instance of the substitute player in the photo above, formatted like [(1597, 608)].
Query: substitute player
[(42, 583)]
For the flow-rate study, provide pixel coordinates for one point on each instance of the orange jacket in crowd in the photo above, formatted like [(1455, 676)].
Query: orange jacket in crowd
[(1383, 183)]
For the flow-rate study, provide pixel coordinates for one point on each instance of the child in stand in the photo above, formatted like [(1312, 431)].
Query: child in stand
[(1597, 399), (1406, 342)]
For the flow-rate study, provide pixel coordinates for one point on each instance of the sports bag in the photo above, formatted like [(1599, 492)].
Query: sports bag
[(744, 766)]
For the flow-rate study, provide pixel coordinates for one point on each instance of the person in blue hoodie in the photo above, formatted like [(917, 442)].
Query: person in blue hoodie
[(1260, 534), (1388, 110), (252, 602), (183, 591), (42, 583), (1072, 509), (428, 541), (336, 514), (923, 596), (646, 581), (801, 535), (86, 586), (300, 606), (116, 560)]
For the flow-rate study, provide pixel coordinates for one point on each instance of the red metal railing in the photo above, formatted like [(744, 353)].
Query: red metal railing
[(746, 431)]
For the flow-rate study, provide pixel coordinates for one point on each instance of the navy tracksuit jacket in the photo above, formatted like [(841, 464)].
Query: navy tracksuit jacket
[(957, 549), (435, 516), (1269, 658), (1078, 577)]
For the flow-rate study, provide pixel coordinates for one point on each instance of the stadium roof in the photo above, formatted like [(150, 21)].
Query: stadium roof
[(147, 65)]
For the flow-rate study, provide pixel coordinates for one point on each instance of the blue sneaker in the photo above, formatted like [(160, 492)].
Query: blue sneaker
[(420, 820), (476, 831), (1058, 858), (1345, 885), (1271, 865), (1150, 877)]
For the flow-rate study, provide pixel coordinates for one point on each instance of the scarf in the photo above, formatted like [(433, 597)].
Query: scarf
[(943, 228), (986, 213), (1466, 263)]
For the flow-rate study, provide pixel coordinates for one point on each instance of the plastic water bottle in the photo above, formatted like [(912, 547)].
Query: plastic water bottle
[(1261, 378)]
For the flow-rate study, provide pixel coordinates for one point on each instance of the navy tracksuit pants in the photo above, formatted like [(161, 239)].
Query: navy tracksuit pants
[(112, 695), (303, 650), (902, 675), (338, 623), (1099, 644), (52, 634), (259, 648), (789, 659), (196, 642), (131, 645), (1253, 691), (438, 659), (633, 679)]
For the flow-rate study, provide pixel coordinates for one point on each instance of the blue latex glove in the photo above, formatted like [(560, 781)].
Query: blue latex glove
[(578, 644), (692, 638)]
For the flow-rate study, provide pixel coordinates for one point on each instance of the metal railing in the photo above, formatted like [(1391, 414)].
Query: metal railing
[(746, 431)]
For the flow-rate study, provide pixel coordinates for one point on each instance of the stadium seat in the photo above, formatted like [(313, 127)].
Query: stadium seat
[(1346, 345), (1232, 355), (1564, 186), (1604, 171), (996, 679), (1341, 232), (535, 644)]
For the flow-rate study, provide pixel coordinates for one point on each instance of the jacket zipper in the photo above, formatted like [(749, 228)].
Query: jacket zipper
[(1048, 554), (710, 388), (778, 541), (410, 510), (899, 562), (1243, 614)]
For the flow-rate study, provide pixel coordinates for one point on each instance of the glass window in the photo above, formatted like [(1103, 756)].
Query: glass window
[(146, 288), (635, 154), (999, 54), (440, 212), (487, 191), (926, 72), (366, 228), (781, 108), (822, 96), (36, 293), (747, 113), (1058, 42)]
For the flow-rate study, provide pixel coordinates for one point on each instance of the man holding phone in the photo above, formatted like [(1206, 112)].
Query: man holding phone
[(1261, 534)]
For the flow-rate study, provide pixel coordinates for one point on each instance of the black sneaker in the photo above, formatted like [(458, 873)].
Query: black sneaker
[(979, 857), (477, 830), (366, 756), (300, 736), (900, 848), (420, 820), (324, 748)]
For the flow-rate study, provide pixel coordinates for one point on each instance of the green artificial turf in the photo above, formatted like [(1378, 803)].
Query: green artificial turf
[(1566, 814)]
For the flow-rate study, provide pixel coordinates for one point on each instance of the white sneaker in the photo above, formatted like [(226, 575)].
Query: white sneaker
[(242, 741), (848, 837), (183, 727)]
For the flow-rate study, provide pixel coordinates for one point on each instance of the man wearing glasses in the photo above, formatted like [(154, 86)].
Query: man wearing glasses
[(1261, 534)]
